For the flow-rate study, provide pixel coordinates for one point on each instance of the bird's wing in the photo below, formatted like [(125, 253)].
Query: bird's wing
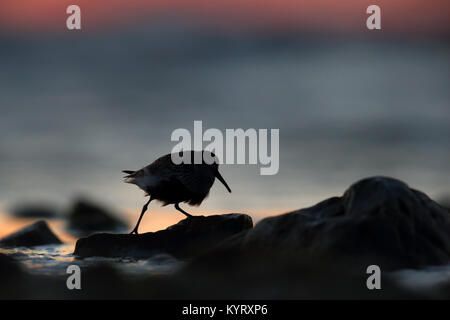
[(193, 177)]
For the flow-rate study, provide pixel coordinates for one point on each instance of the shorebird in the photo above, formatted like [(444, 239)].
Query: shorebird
[(175, 183)]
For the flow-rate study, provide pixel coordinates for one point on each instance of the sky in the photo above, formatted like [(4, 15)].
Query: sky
[(400, 16)]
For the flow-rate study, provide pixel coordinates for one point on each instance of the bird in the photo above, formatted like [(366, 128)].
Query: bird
[(171, 183)]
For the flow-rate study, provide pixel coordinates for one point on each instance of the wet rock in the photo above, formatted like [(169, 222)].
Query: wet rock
[(185, 239), (377, 221), (35, 234), (86, 217)]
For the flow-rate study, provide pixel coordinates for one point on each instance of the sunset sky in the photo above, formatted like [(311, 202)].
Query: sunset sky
[(400, 16)]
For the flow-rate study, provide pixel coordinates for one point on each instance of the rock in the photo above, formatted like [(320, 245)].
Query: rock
[(377, 221), (8, 267), (86, 217), (185, 239), (12, 278), (256, 275), (35, 234)]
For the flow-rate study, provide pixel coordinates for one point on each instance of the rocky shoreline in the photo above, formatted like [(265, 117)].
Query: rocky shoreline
[(377, 219), (317, 252)]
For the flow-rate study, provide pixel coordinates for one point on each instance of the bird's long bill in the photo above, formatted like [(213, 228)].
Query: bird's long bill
[(218, 176)]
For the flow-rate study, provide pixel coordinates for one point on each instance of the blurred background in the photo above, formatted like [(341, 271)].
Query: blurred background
[(76, 107)]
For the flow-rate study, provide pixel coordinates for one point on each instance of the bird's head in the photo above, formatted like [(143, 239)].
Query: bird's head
[(213, 163)]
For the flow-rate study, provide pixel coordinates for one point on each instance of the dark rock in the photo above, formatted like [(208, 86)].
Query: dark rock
[(377, 221), (12, 278), (35, 234), (8, 267), (86, 217), (255, 275), (185, 239)]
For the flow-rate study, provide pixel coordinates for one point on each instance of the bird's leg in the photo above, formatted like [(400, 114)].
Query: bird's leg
[(144, 208), (182, 211)]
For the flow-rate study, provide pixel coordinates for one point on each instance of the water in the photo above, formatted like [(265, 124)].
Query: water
[(53, 260), (75, 111), (429, 281)]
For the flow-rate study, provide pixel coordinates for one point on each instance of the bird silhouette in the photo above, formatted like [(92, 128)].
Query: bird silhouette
[(173, 183)]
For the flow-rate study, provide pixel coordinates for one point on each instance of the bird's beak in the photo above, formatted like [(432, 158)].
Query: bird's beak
[(218, 176)]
